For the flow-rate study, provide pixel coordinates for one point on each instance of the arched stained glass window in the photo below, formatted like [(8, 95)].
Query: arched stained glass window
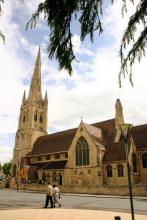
[(60, 179), (144, 160), (82, 152), (120, 170), (109, 171)]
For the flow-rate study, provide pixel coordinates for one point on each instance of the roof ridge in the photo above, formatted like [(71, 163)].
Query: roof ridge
[(72, 129), (109, 120)]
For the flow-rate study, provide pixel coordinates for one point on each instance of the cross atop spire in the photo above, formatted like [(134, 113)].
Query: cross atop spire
[(35, 88)]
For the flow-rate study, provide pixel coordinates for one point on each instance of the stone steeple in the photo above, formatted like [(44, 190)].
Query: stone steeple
[(35, 94), (119, 119), (46, 98), (33, 116), (24, 97)]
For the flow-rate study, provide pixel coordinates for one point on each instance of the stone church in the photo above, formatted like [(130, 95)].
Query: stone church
[(81, 159)]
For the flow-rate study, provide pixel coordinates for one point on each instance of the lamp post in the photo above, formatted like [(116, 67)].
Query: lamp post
[(125, 128)]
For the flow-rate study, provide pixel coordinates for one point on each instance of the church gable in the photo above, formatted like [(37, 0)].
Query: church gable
[(82, 141), (95, 133)]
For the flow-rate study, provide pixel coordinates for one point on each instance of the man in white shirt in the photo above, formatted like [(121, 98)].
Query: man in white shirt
[(49, 196)]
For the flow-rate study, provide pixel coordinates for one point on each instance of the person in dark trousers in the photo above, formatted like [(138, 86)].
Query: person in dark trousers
[(49, 196)]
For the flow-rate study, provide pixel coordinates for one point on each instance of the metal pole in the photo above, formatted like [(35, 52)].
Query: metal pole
[(130, 188)]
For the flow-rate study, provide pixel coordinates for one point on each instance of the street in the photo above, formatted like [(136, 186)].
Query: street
[(12, 199)]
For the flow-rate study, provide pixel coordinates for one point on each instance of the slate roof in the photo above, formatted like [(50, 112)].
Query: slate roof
[(115, 152), (52, 143), (108, 130), (139, 134), (61, 141)]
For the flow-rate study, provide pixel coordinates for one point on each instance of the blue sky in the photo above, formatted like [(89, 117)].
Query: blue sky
[(91, 91)]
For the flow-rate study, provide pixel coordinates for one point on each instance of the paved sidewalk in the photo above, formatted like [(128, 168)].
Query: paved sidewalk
[(64, 214)]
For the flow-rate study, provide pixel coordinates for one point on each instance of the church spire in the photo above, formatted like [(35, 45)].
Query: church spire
[(33, 116), (46, 98), (35, 88), (24, 97)]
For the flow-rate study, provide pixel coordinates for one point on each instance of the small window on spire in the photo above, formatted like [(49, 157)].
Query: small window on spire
[(24, 118), (41, 119)]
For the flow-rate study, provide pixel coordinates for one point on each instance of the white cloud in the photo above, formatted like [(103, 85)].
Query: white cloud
[(78, 48), (5, 149), (5, 154)]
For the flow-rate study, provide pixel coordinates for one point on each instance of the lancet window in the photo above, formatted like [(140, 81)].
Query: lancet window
[(82, 152)]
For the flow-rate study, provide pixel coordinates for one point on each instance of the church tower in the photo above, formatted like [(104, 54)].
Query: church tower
[(33, 116)]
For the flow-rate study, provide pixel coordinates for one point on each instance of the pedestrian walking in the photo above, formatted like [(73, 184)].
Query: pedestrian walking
[(56, 196), (49, 196)]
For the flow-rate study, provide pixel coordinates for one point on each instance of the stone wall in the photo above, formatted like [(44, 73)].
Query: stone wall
[(105, 190)]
